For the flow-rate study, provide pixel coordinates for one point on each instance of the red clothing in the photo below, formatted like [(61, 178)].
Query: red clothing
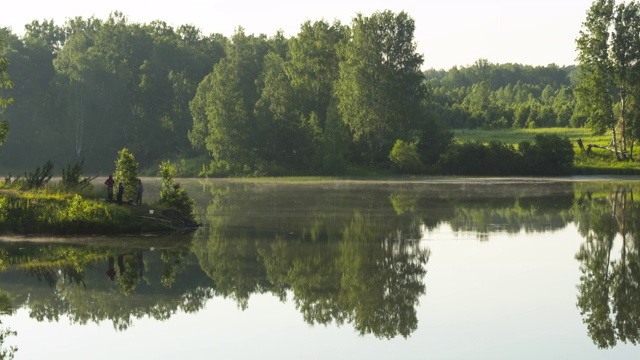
[(109, 182)]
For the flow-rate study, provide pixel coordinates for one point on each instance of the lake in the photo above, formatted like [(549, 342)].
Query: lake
[(442, 268)]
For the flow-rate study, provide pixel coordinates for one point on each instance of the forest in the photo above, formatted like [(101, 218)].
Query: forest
[(328, 100)]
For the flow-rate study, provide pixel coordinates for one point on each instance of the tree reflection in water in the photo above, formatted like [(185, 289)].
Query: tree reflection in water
[(6, 307), (343, 255), (347, 258), (609, 290)]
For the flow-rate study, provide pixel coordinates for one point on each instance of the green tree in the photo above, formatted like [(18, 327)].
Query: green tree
[(380, 86), (225, 102), (172, 194), (126, 173), (608, 291), (313, 69), (5, 83), (280, 135), (31, 59), (609, 53), (7, 353)]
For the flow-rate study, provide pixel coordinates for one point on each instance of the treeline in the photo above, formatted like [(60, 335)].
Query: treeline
[(499, 96), (328, 99), (91, 87)]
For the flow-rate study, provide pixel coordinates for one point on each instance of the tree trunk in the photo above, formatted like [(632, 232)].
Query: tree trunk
[(614, 142), (623, 123)]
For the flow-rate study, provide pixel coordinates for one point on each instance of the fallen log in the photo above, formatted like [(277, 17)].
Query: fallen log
[(608, 148)]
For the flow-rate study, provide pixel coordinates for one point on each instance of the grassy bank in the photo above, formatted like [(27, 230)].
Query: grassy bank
[(54, 212)]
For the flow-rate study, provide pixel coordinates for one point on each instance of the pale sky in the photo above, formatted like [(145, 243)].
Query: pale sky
[(448, 32)]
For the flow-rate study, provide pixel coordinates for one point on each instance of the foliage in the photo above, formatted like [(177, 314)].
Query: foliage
[(223, 106), (50, 212), (91, 86), (380, 88), (347, 269), (330, 99), (72, 177), (592, 163), (503, 96), (608, 290), (609, 51), (10, 182), (548, 155), (5, 83), (405, 157), (8, 352), (313, 67), (475, 158), (173, 195), (40, 177), (126, 173)]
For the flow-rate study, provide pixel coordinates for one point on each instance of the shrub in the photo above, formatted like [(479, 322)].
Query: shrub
[(549, 155), (405, 157), (126, 173), (172, 194), (475, 158), (39, 177), (72, 177)]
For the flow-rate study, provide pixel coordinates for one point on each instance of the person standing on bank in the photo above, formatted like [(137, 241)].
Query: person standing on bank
[(139, 190), (120, 193), (110, 184)]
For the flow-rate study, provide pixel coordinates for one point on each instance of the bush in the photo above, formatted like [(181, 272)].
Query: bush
[(405, 157), (172, 194), (126, 173), (39, 177), (549, 155), (475, 158), (72, 177)]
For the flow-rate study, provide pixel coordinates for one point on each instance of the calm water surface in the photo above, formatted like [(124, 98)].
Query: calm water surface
[(437, 269)]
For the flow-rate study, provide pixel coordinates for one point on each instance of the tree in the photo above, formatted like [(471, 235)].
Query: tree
[(223, 107), (7, 353), (280, 136), (380, 88), (608, 291), (127, 173), (609, 64), (172, 194), (35, 131), (313, 69), (5, 83)]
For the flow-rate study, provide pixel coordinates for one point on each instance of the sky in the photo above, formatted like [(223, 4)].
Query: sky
[(448, 32)]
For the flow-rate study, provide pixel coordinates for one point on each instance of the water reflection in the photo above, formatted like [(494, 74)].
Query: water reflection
[(6, 308), (328, 247), (343, 254), (609, 289)]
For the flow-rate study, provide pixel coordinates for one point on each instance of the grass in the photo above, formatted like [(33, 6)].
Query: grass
[(515, 136), (53, 210)]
